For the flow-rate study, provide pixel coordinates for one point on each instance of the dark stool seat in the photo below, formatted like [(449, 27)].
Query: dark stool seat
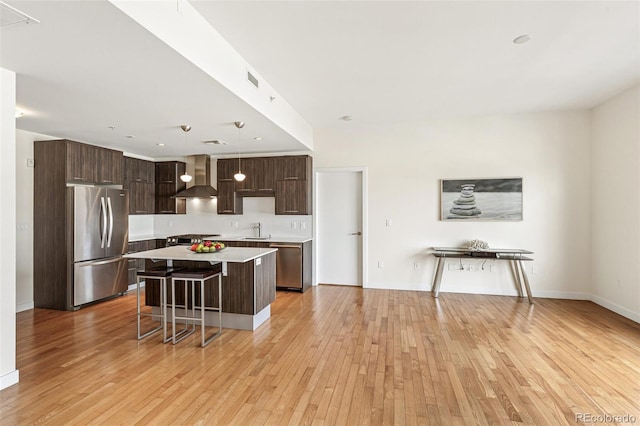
[(192, 276), (198, 274), (158, 273)]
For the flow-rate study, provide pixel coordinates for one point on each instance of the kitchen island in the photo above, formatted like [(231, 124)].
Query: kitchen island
[(248, 281)]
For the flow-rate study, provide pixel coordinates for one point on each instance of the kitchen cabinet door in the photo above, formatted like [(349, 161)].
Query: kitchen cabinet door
[(293, 167), (81, 163), (109, 166), (227, 167), (293, 197), (229, 202), (136, 170), (168, 184), (141, 198)]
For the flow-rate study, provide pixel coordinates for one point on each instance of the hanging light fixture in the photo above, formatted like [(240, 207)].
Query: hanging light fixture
[(239, 176), (186, 177)]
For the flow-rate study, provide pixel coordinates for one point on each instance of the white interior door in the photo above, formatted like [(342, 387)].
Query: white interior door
[(339, 227)]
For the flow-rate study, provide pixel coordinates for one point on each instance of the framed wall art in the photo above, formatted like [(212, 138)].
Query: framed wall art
[(481, 199)]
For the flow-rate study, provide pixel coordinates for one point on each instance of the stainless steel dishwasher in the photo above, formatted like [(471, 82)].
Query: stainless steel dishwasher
[(288, 265)]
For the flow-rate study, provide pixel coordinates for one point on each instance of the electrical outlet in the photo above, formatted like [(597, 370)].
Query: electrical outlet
[(294, 225), (471, 268), (303, 225), (389, 222), (492, 268), (31, 162), (380, 264)]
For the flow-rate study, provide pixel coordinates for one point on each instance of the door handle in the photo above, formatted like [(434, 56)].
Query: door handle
[(110, 222), (356, 233), (103, 210)]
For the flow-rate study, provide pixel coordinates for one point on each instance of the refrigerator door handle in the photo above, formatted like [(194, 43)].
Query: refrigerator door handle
[(110, 221), (103, 213)]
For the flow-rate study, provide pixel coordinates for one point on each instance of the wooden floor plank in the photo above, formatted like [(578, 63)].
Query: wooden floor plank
[(333, 355)]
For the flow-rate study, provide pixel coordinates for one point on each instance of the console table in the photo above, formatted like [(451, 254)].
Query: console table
[(514, 256)]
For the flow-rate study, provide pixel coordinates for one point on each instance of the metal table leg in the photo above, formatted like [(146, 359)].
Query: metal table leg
[(437, 279), (526, 281)]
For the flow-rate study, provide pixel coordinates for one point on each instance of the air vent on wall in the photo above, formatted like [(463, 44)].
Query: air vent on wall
[(10, 15), (252, 79)]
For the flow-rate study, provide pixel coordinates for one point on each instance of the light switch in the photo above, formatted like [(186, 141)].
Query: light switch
[(389, 222)]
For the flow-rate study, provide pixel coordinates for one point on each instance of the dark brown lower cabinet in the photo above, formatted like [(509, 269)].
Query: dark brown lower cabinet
[(247, 289)]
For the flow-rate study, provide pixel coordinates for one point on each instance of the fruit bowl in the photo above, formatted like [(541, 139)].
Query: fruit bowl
[(206, 247)]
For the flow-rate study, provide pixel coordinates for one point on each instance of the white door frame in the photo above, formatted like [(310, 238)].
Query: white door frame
[(365, 225)]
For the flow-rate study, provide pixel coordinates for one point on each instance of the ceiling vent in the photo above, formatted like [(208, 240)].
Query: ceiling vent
[(252, 79), (10, 15)]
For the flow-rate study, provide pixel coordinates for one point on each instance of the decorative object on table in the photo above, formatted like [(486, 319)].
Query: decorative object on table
[(477, 245), (206, 247), (481, 199)]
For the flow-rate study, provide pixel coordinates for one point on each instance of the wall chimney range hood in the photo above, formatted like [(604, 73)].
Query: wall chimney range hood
[(201, 179)]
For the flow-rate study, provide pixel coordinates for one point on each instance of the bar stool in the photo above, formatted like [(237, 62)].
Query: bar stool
[(192, 276), (162, 274)]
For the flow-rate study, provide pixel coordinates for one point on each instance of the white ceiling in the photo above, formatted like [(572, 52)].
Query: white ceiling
[(87, 66)]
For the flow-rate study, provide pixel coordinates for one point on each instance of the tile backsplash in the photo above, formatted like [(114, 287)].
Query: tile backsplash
[(201, 218)]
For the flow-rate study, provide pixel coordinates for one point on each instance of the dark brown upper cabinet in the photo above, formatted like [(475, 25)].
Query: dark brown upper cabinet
[(229, 201), (293, 167), (109, 167), (90, 164), (136, 170), (167, 184), (260, 177), (227, 167), (293, 197), (287, 178), (139, 179)]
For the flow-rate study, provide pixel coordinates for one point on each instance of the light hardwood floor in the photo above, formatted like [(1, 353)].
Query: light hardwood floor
[(334, 355)]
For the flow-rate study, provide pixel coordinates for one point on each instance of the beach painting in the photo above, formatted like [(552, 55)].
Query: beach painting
[(481, 199)]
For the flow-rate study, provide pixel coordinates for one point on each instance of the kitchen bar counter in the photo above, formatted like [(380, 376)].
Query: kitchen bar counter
[(248, 282), (272, 239)]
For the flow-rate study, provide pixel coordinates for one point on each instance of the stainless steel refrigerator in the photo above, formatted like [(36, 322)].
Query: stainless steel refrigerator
[(100, 237)]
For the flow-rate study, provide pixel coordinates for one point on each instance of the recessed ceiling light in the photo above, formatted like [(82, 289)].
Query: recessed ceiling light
[(160, 144), (111, 127), (346, 118), (129, 136), (214, 142), (521, 39), (258, 138)]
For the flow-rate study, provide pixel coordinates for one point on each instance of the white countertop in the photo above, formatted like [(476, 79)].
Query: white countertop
[(272, 239), (134, 238), (228, 254)]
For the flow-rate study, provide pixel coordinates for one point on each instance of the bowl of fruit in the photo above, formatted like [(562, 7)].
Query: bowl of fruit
[(206, 247)]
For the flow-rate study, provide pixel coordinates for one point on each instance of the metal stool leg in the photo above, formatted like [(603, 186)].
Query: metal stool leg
[(179, 335), (140, 314)]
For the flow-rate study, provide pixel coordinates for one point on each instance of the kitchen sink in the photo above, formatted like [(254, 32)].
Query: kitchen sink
[(256, 238)]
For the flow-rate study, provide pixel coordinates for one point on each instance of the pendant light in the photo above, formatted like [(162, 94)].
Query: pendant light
[(239, 176), (186, 177)]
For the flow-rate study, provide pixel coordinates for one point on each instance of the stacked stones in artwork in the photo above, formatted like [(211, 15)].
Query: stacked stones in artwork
[(465, 205)]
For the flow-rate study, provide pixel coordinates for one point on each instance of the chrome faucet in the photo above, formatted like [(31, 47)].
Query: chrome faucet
[(258, 226)]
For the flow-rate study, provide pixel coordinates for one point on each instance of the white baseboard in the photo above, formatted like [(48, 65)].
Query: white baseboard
[(633, 316), (24, 306), (9, 379)]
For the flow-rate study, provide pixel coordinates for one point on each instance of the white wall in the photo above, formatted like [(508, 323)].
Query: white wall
[(615, 226), (201, 217), (8, 371), (406, 161)]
